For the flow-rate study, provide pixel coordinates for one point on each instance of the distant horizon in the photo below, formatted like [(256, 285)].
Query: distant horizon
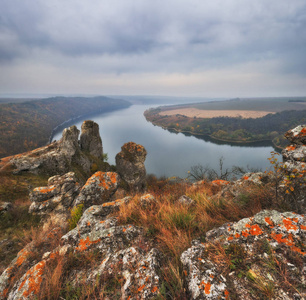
[(50, 95)]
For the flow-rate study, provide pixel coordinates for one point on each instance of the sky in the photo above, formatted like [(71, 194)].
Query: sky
[(203, 48)]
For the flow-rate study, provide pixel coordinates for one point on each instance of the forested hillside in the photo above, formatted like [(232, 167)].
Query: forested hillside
[(28, 125), (269, 127)]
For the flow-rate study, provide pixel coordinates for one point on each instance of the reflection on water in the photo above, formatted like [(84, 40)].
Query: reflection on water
[(171, 154)]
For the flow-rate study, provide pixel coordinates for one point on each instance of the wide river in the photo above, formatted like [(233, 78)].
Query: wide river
[(170, 154)]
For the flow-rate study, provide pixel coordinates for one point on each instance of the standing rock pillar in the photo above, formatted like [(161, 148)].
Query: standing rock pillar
[(90, 139), (130, 166)]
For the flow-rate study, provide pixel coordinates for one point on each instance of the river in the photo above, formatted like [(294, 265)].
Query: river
[(170, 154)]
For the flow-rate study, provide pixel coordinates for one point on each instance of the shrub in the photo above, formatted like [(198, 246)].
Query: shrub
[(75, 215)]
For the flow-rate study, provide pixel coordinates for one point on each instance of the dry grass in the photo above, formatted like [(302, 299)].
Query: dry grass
[(173, 226)]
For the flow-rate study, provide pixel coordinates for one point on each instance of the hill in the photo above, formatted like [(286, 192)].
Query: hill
[(28, 125), (237, 120)]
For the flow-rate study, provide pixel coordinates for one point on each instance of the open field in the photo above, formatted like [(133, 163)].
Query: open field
[(199, 113)]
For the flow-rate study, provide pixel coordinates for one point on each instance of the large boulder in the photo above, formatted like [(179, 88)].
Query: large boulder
[(130, 166), (98, 189), (264, 254), (55, 200), (294, 168), (90, 139)]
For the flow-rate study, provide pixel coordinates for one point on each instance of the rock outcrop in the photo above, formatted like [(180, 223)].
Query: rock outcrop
[(64, 155), (130, 166), (90, 139), (294, 167), (98, 189), (130, 271), (241, 257), (55, 200)]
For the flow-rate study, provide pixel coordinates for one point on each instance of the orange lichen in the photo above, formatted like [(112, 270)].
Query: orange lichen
[(288, 224), (290, 148), (230, 238), (34, 279), (154, 289), (108, 204), (246, 177), (303, 227), (269, 222), (207, 288), (289, 241), (141, 288), (185, 272), (84, 244), (44, 190), (245, 233), (88, 223), (22, 256), (237, 235), (220, 182), (255, 230)]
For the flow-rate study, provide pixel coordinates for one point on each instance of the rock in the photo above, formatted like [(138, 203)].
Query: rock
[(130, 166), (98, 189), (5, 207), (90, 139), (297, 135), (233, 255), (184, 200), (65, 155), (55, 200), (147, 200), (69, 144), (294, 169)]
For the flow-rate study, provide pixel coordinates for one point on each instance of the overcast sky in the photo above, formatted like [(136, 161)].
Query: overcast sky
[(207, 48)]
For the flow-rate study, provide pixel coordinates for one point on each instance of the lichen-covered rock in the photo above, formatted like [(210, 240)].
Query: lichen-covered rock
[(61, 156), (138, 269), (147, 201), (252, 254), (297, 135), (294, 168), (96, 230), (90, 139), (185, 200), (130, 165), (98, 189), (55, 200), (69, 143), (5, 207)]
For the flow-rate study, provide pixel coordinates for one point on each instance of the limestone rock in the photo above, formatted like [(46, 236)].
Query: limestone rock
[(5, 207), (147, 200), (55, 200), (69, 144), (130, 165), (267, 236), (184, 200), (98, 189), (294, 168), (297, 135), (62, 156), (90, 139)]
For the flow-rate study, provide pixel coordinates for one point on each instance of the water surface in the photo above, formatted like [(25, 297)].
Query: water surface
[(170, 154)]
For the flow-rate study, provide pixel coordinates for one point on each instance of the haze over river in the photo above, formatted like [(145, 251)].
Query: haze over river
[(170, 154)]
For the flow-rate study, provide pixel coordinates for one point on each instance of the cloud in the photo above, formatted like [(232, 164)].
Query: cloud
[(101, 37)]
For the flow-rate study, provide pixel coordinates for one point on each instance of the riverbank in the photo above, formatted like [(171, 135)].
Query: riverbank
[(269, 128)]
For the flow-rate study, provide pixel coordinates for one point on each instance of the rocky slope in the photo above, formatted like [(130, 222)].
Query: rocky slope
[(110, 254)]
